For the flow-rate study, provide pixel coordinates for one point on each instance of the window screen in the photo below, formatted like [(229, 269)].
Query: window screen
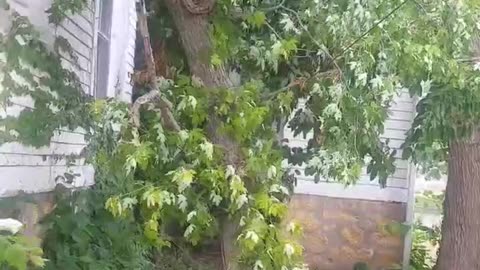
[(103, 48)]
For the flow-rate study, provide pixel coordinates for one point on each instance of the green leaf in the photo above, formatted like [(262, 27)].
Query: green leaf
[(397, 228), (4, 243), (215, 60), (263, 201), (257, 19), (289, 46), (16, 256), (183, 178)]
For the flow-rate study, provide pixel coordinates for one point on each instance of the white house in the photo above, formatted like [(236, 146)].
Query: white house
[(351, 220), (102, 37)]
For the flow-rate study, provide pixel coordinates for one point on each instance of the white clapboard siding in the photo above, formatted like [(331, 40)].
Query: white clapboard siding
[(29, 169), (397, 187)]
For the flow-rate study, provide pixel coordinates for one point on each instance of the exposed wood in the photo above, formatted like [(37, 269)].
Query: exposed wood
[(459, 248), (154, 96), (147, 47)]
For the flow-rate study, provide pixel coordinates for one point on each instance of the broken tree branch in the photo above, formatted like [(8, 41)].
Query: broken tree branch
[(153, 97)]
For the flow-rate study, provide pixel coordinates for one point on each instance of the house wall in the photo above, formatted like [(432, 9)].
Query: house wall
[(352, 220), (29, 170)]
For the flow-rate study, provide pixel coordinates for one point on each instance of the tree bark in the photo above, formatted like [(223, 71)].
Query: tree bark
[(460, 243), (193, 28), (195, 38)]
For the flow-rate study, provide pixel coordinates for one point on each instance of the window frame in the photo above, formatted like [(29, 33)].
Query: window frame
[(102, 52)]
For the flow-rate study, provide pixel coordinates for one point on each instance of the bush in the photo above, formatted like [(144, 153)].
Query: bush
[(81, 234)]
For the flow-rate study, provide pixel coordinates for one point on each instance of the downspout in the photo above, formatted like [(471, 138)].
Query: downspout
[(410, 216), (410, 213)]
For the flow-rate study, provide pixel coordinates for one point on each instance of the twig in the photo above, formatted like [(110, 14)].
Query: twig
[(370, 29), (273, 30), (315, 41), (273, 8), (420, 6), (307, 31), (297, 82), (283, 89), (280, 38)]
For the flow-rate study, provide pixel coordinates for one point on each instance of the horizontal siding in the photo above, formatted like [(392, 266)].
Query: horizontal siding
[(78, 30), (82, 74), (27, 179), (39, 169), (86, 38), (34, 160), (365, 192), (399, 121), (81, 48), (17, 159), (18, 148), (81, 22), (42, 179)]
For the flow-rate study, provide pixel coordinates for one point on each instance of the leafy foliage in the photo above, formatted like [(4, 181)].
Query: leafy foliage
[(81, 234), (345, 60), (18, 252), (305, 50), (31, 72), (60, 9), (425, 240), (430, 200), (449, 88), (177, 259), (183, 183), (347, 88)]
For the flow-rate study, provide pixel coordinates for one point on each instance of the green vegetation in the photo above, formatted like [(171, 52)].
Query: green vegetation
[(18, 251), (200, 163)]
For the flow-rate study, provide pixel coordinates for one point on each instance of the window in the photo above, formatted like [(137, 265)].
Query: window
[(103, 48)]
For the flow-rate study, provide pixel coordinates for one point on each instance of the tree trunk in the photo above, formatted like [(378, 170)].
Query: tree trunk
[(193, 29), (460, 244)]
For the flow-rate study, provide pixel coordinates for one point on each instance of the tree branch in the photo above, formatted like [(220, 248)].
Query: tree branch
[(320, 46), (371, 29), (154, 97), (302, 81), (275, 7)]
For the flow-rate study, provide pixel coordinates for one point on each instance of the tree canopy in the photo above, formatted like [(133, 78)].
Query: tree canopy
[(206, 151)]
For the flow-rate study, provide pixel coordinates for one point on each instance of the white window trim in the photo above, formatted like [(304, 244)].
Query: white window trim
[(97, 32), (93, 57)]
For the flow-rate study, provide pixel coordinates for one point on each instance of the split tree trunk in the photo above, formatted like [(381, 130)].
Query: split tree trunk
[(460, 244), (193, 29)]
